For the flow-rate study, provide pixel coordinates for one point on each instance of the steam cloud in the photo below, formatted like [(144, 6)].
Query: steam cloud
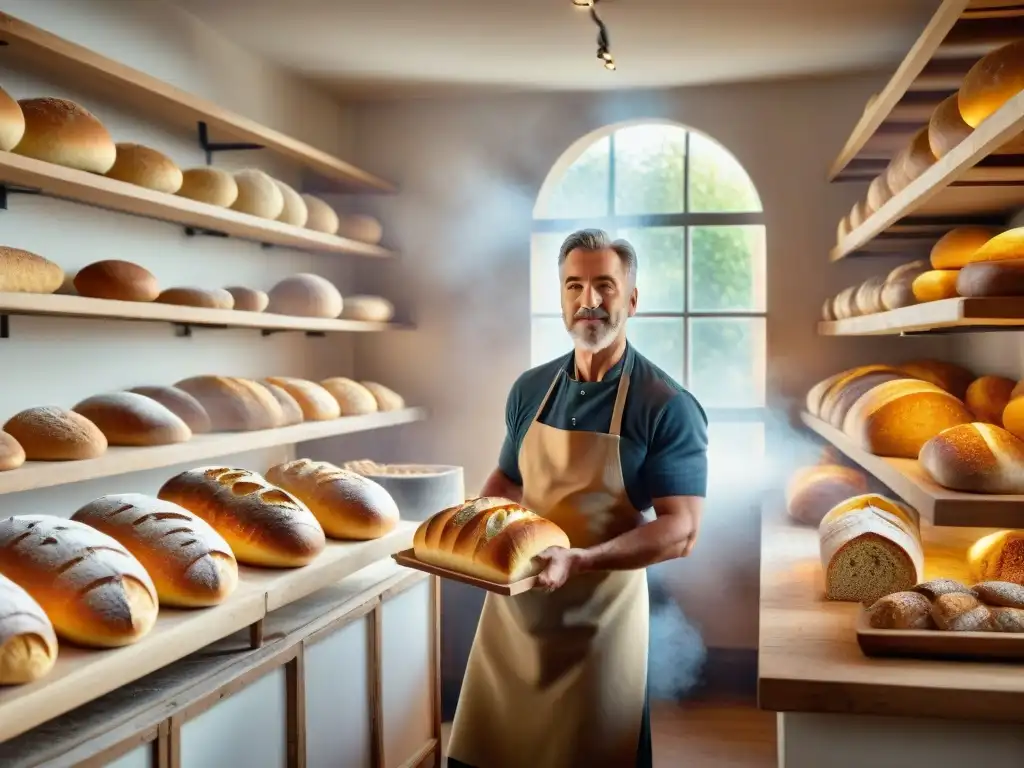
[(676, 652)]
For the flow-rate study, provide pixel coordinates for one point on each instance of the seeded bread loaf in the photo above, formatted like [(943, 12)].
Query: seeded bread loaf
[(28, 644), (999, 556), (975, 458), (146, 167), (26, 272)]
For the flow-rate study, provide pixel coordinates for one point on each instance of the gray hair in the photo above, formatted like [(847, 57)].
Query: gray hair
[(599, 240)]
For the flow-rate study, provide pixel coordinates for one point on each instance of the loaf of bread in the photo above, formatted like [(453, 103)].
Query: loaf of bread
[(145, 167), (987, 397), (387, 399), (896, 418), (489, 537), (999, 556), (844, 305), (258, 194), (25, 272), (842, 229), (932, 589), (264, 525), (128, 418), (290, 408), (1005, 620), (878, 192), (12, 455), (294, 210), (901, 610), (840, 398), (918, 158), (985, 279), (1000, 593), (95, 592), (65, 133), (116, 280), (867, 298), (946, 127), (991, 82), (181, 404), (209, 298), (935, 285), (371, 309), (828, 313), (305, 295), (895, 176), (951, 377), (248, 299), (320, 216), (1013, 413), (348, 505), (209, 185), (190, 563), (317, 403), (28, 644), (975, 458), (898, 288), (1006, 246), (816, 394), (12, 122), (234, 404), (357, 226), (812, 491), (858, 214), (50, 433), (353, 398), (959, 612), (957, 247)]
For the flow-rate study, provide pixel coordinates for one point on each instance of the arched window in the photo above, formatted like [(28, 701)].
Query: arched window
[(696, 220)]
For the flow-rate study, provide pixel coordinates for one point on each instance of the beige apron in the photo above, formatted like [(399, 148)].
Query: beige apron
[(559, 680)]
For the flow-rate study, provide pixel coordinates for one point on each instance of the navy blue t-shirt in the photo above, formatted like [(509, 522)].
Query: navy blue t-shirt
[(664, 438)]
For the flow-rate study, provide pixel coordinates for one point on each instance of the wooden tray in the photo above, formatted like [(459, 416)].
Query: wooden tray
[(938, 644), (407, 557)]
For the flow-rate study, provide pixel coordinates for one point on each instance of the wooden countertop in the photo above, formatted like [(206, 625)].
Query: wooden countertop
[(809, 660)]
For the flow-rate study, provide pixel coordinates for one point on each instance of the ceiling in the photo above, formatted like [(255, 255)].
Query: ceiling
[(370, 49)]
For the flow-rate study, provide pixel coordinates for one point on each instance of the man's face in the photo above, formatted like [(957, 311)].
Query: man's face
[(596, 297)]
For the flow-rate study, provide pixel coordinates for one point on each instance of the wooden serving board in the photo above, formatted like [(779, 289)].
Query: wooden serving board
[(938, 644), (408, 558)]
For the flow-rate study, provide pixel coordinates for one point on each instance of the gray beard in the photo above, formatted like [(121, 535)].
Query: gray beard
[(595, 338)]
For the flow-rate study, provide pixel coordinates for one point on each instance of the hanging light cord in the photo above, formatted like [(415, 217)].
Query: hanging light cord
[(603, 45)]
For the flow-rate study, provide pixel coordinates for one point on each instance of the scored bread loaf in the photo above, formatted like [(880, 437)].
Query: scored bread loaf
[(209, 298), (50, 433), (975, 458), (353, 398), (320, 216), (290, 408), (12, 122), (181, 404), (387, 399), (901, 610), (65, 133), (305, 295), (317, 403), (28, 644), (957, 247), (258, 194), (898, 289), (987, 397), (209, 185), (234, 404), (294, 210), (348, 505), (145, 167), (248, 299), (264, 525), (488, 537), (12, 455), (96, 593), (948, 376), (26, 272), (812, 491), (127, 418), (935, 285), (999, 556), (190, 563), (946, 127), (984, 279), (116, 280)]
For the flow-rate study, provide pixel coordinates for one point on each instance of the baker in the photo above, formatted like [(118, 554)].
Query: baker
[(557, 676)]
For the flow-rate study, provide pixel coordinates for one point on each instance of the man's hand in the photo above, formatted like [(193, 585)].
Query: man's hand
[(560, 564)]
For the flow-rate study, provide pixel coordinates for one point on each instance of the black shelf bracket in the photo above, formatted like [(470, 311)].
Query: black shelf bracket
[(209, 147), (184, 330), (199, 231), (5, 326), (6, 190), (271, 331)]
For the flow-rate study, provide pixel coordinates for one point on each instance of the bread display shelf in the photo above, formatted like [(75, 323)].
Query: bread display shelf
[(408, 559), (936, 644), (58, 305), (944, 315), (119, 461), (102, 192), (909, 481)]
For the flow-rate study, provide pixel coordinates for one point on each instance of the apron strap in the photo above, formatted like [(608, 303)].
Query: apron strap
[(536, 416), (620, 404)]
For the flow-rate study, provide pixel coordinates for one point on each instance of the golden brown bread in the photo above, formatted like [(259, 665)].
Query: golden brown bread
[(234, 404), (992, 278), (841, 397), (1000, 593), (935, 587), (858, 214), (190, 563), (901, 610), (95, 591), (209, 185), (812, 491), (975, 458), (828, 313), (994, 79), (128, 418), (960, 612), (948, 376), (65, 133), (294, 210), (353, 398), (957, 247), (248, 299), (12, 455), (25, 272), (918, 158), (290, 408), (181, 404), (842, 229), (145, 167), (258, 194), (28, 644), (305, 295), (50, 433), (116, 280), (1005, 246), (987, 397), (935, 285), (895, 176), (12, 122), (320, 216), (264, 525), (209, 298), (946, 127), (489, 537), (348, 505), (878, 192), (1005, 619), (898, 291), (999, 556), (317, 403), (387, 399)]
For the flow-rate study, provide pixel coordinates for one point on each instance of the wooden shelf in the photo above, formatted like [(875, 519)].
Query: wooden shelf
[(118, 461), (59, 305), (938, 505), (93, 189), (946, 316), (77, 66)]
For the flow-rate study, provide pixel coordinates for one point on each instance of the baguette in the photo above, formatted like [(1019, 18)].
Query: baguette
[(317, 403), (28, 644), (975, 458), (935, 285)]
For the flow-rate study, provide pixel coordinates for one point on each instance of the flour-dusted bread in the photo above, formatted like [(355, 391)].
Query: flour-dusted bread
[(959, 612), (248, 299), (96, 593), (12, 455), (116, 280), (898, 288), (489, 537), (294, 211), (234, 404), (290, 408), (320, 217), (127, 418), (26, 272), (957, 247), (12, 122), (975, 458), (987, 397), (946, 127), (1000, 593), (190, 563), (932, 589), (65, 133), (208, 298), (209, 185), (181, 404), (146, 167), (353, 398), (901, 610), (387, 399), (305, 295), (994, 79), (357, 226), (28, 644), (371, 309), (258, 194), (948, 376), (999, 556), (264, 525), (50, 433), (348, 505), (317, 403), (812, 491)]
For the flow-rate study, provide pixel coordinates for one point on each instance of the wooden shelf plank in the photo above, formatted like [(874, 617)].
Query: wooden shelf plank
[(59, 305), (93, 189), (909, 481), (948, 314), (118, 461), (76, 65)]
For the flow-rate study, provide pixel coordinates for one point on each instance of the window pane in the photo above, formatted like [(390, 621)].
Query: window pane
[(735, 451), (661, 277), (649, 176), (727, 269), (727, 361), (661, 341), (582, 192), (549, 340), (545, 286), (718, 182)]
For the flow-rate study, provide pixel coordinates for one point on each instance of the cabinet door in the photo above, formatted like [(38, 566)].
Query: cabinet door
[(140, 757)]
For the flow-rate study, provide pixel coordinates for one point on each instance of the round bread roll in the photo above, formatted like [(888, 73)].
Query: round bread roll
[(975, 458), (289, 405), (234, 404), (357, 226), (12, 122), (956, 248), (858, 214), (305, 295), (878, 193), (828, 314), (25, 272), (316, 402), (987, 397), (248, 299), (127, 418), (387, 399), (999, 556), (371, 309), (812, 491), (294, 210), (209, 185), (258, 194), (49, 433), (948, 376), (145, 167), (117, 280), (867, 298), (935, 285), (991, 278), (1005, 246), (64, 133), (348, 505), (845, 305), (1000, 593), (901, 610), (946, 127), (181, 404), (190, 563), (918, 158), (12, 455), (321, 217), (842, 229), (353, 398), (209, 298), (993, 80), (28, 644), (898, 289)]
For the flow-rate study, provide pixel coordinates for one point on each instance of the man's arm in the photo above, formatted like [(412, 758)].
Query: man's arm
[(505, 480), (499, 484)]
